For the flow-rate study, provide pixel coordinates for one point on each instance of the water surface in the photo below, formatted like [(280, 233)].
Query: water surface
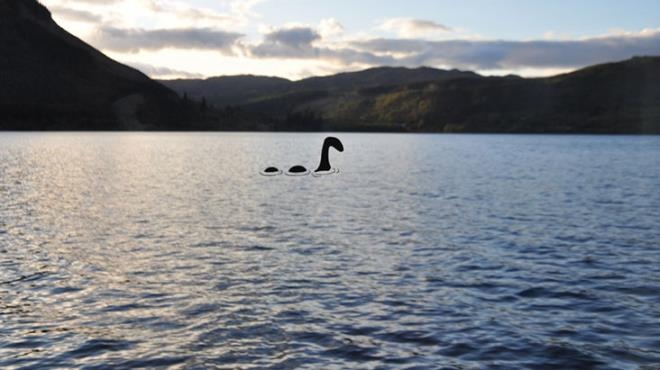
[(426, 251)]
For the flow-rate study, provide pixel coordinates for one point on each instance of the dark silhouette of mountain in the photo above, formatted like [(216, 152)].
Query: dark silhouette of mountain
[(228, 90), (377, 77), (618, 97), (49, 79), (233, 90)]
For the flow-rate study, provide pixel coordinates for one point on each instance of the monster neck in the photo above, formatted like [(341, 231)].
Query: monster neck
[(325, 160)]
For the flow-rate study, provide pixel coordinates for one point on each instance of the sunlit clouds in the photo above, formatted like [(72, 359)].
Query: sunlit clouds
[(409, 28), (169, 39), (136, 40)]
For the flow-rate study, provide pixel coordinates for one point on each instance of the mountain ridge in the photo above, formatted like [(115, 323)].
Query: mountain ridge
[(616, 97), (51, 80), (238, 89)]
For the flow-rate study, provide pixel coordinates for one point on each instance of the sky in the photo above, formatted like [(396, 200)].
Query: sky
[(302, 38)]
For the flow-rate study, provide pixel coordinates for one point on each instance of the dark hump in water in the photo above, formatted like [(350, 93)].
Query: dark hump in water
[(271, 170), (297, 169)]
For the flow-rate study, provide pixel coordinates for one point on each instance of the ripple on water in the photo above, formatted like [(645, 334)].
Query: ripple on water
[(493, 252)]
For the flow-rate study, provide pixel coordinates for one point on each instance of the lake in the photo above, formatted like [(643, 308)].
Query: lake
[(170, 250)]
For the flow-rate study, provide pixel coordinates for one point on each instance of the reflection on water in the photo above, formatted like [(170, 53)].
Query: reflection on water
[(158, 250)]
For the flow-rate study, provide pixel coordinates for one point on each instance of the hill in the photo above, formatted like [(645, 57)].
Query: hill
[(611, 98), (240, 90), (49, 79)]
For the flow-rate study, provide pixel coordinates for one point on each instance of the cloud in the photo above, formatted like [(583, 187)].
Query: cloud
[(479, 55), (534, 57), (76, 15), (146, 28), (297, 37), (409, 27), (293, 42), (158, 13), (330, 27), (245, 8), (183, 12), (300, 42), (134, 40), (516, 54), (163, 72)]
